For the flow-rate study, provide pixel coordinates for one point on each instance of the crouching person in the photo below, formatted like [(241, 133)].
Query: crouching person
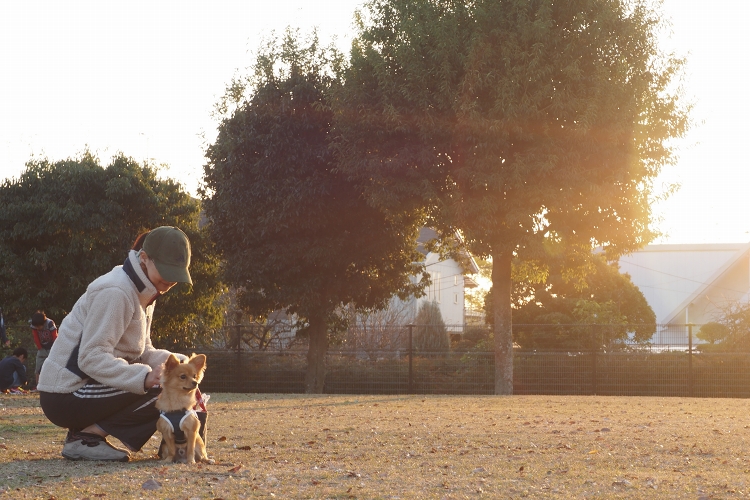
[(102, 374), (13, 372)]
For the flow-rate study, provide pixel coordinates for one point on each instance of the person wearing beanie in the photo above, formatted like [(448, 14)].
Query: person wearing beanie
[(102, 374)]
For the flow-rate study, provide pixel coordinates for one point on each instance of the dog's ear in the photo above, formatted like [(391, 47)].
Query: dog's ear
[(171, 362), (198, 361)]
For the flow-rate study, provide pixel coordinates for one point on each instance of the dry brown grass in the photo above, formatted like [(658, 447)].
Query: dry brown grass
[(344, 446)]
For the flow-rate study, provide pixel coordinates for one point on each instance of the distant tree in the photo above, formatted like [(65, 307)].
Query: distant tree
[(713, 332), (64, 223), (296, 234), (430, 334), (515, 122), (600, 295), (243, 331), (733, 322), (377, 330)]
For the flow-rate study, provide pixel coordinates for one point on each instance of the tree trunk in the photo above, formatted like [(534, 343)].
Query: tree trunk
[(315, 376), (501, 287)]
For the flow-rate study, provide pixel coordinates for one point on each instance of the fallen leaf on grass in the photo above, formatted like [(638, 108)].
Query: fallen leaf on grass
[(236, 468), (151, 484), (222, 439)]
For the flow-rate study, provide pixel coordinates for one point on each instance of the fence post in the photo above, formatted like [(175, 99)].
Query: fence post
[(690, 360), (410, 389), (593, 371), (239, 368)]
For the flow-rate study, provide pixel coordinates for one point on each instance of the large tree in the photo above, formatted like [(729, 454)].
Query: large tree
[(515, 122), (64, 223), (296, 235)]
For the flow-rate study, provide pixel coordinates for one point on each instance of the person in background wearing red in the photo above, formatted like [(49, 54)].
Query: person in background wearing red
[(45, 333)]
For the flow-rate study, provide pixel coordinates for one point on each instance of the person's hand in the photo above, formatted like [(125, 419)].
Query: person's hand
[(153, 378)]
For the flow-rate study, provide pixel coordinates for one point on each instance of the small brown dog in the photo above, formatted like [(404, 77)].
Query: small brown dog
[(179, 382)]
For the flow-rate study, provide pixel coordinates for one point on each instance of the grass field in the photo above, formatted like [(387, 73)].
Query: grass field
[(344, 446)]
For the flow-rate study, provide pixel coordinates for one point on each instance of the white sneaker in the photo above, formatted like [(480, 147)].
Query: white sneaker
[(92, 447)]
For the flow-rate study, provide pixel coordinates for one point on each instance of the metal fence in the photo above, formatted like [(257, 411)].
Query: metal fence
[(548, 359), (614, 373), (587, 360)]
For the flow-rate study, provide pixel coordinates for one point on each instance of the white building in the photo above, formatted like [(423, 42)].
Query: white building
[(690, 283), (449, 280)]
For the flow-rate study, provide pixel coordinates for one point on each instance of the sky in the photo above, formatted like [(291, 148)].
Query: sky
[(142, 78)]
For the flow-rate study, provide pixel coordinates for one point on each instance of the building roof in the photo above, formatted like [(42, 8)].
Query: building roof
[(427, 234), (672, 277)]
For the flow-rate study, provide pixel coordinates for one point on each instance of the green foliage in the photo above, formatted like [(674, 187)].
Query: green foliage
[(295, 233), (430, 334), (64, 223), (713, 332), (525, 119), (474, 338), (598, 294), (591, 312), (516, 122)]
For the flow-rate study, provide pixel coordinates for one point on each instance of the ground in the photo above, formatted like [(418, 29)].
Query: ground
[(349, 446)]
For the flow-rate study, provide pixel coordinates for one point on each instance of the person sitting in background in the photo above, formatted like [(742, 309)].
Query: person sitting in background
[(13, 372), (44, 331)]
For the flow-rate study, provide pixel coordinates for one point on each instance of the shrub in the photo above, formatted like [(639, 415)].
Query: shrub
[(431, 334)]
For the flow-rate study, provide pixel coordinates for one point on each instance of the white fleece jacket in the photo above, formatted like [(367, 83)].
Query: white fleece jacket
[(107, 335)]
